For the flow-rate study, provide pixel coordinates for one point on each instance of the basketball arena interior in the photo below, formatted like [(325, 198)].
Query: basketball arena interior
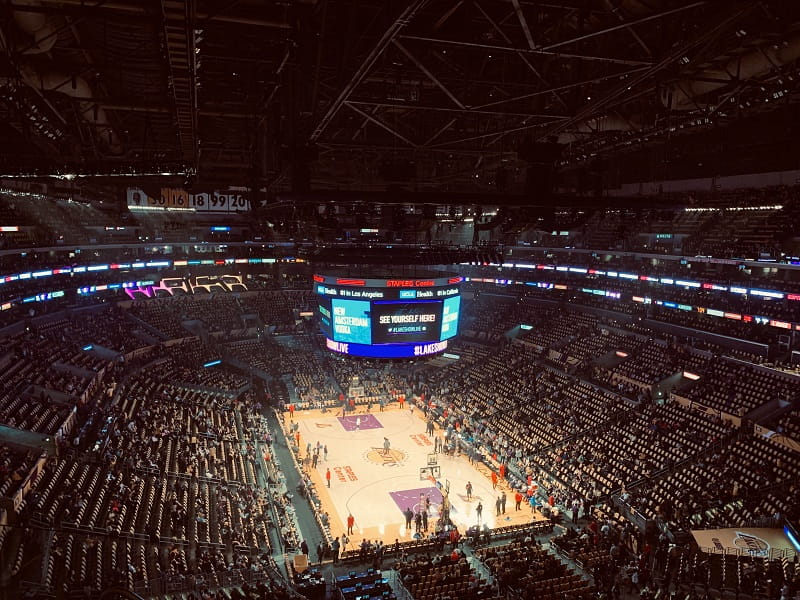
[(413, 300)]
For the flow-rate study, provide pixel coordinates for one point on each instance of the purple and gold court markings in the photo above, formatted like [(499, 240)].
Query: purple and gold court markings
[(359, 422), (410, 498)]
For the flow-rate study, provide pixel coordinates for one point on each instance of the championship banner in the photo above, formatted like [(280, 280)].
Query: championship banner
[(178, 199), (745, 541)]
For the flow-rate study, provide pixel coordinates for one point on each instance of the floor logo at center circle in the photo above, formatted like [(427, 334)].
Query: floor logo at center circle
[(392, 458)]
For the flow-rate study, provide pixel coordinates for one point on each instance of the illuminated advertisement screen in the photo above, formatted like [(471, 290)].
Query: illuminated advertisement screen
[(387, 350), (351, 321), (325, 316), (397, 322), (387, 318), (450, 317)]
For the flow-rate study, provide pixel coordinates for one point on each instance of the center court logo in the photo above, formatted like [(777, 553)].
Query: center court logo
[(753, 544), (392, 458)]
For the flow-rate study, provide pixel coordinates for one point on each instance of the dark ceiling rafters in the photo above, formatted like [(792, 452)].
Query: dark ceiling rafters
[(620, 89), (521, 55), (145, 9), (179, 39), (438, 93), (391, 32), (612, 43), (428, 74), (380, 124), (436, 134)]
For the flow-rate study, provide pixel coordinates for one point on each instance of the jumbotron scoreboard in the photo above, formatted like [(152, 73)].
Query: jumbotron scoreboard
[(388, 317)]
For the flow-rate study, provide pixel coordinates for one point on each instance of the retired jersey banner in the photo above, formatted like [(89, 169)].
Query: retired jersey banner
[(179, 199), (745, 541)]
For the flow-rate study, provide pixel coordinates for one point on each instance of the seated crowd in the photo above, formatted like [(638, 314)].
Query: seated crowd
[(220, 312), (173, 470), (445, 576), (164, 485), (530, 571)]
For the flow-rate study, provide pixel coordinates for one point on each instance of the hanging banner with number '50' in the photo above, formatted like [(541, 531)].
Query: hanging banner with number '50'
[(178, 199)]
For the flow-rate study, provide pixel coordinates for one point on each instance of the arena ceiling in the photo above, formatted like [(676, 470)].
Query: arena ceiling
[(447, 95)]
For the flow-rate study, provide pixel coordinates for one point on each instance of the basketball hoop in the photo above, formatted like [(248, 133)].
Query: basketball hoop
[(430, 473)]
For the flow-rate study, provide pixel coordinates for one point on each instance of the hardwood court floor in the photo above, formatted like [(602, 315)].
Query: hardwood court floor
[(377, 486)]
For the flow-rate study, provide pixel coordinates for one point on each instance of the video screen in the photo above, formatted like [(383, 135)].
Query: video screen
[(351, 321), (399, 322), (387, 318), (450, 317)]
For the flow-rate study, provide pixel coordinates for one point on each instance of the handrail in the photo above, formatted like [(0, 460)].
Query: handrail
[(771, 554)]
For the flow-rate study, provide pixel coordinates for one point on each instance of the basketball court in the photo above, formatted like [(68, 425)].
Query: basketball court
[(376, 485)]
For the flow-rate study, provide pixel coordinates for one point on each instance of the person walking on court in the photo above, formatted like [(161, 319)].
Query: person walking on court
[(498, 503), (328, 477), (409, 515), (494, 480), (503, 502), (351, 520), (386, 445), (479, 512), (518, 499), (325, 452), (469, 491), (358, 423)]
